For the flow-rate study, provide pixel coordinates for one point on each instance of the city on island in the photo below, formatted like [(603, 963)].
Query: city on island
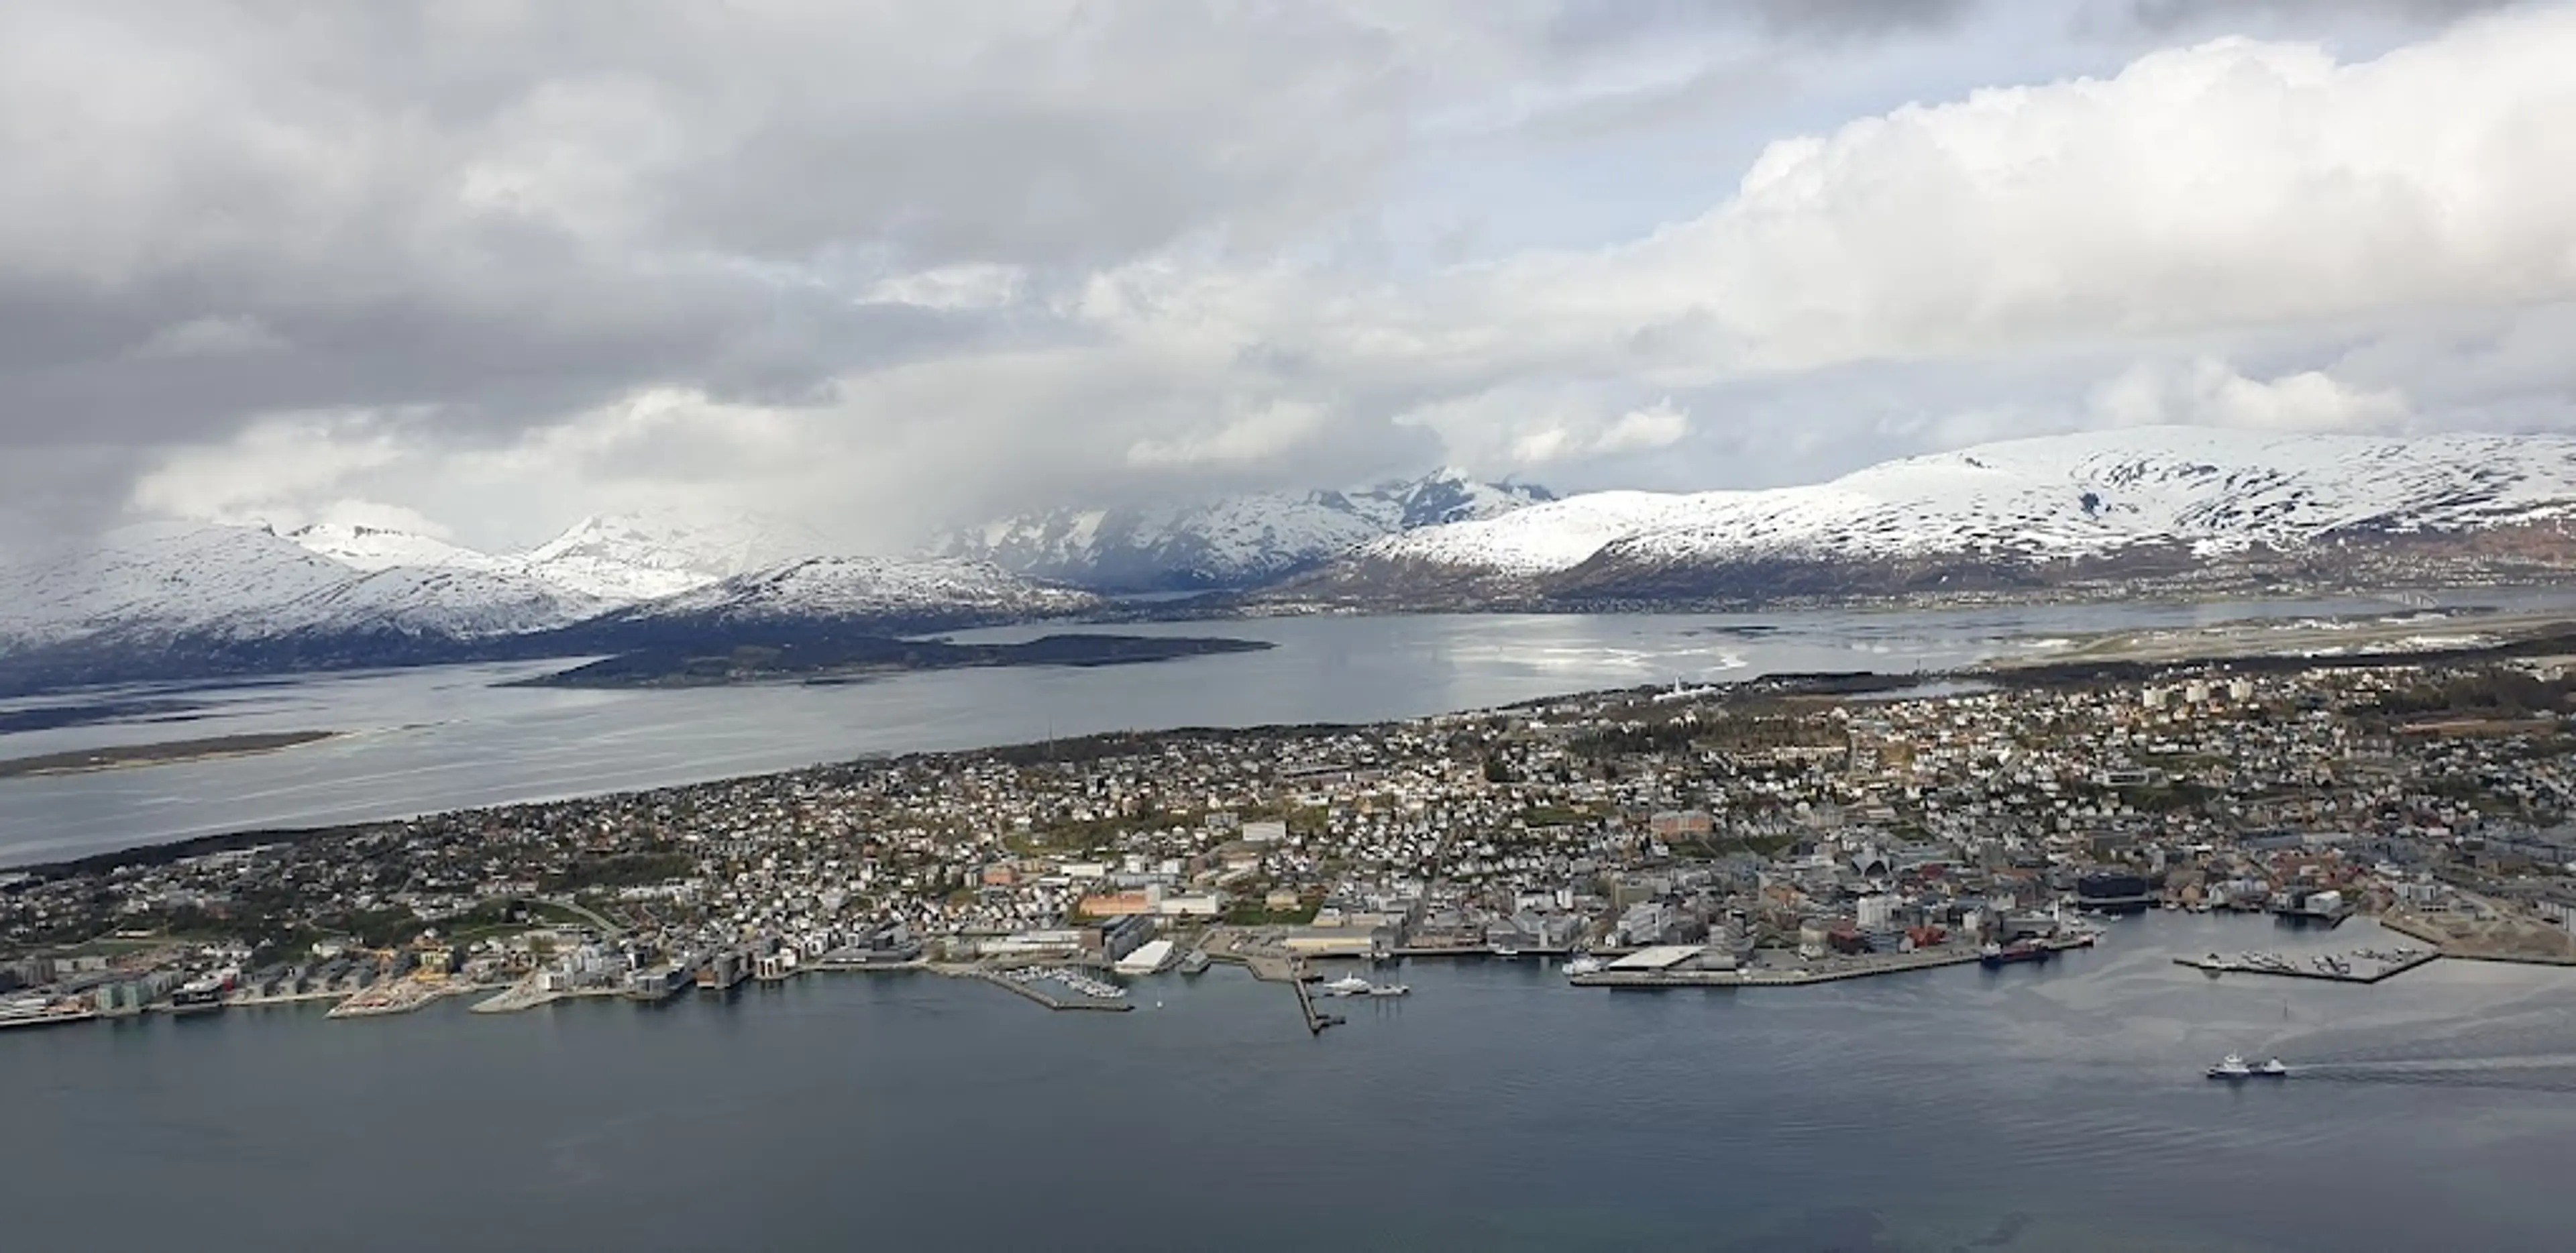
[(1781, 831)]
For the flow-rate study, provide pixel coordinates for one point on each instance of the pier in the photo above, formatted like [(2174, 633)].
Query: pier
[(1271, 966), (1316, 1020)]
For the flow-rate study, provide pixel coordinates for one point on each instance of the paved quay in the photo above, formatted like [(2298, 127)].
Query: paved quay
[(401, 996)]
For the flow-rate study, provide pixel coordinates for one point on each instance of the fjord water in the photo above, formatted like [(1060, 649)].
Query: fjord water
[(441, 738), (2058, 1108)]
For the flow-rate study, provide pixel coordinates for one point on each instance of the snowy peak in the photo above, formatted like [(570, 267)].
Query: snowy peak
[(637, 557), (1237, 541), (383, 548), (2011, 512), (1452, 495)]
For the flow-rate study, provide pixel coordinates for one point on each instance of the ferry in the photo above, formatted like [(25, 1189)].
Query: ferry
[(2231, 1067), (1348, 985)]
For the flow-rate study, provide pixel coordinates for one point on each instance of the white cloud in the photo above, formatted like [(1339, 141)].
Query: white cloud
[(954, 287), (2211, 393), (1659, 425), (267, 472), (1265, 432)]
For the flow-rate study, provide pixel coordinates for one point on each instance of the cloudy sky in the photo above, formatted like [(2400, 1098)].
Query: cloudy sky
[(478, 267)]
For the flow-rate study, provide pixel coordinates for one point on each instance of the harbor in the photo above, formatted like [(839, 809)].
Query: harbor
[(1952, 1052)]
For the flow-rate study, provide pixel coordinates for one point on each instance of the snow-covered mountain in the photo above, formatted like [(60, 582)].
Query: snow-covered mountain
[(158, 578), (163, 580), (383, 548), (169, 600), (1240, 541), (826, 590), (2180, 501), (639, 557)]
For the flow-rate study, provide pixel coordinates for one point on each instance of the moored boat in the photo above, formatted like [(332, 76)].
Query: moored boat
[(1996, 955)]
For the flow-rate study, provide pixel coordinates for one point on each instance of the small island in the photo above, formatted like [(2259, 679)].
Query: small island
[(853, 658), (83, 761)]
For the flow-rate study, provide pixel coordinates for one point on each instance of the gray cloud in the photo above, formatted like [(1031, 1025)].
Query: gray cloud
[(1595, 22), (898, 265), (2168, 15)]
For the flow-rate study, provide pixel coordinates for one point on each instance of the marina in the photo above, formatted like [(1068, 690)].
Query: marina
[(2359, 966), (1027, 981)]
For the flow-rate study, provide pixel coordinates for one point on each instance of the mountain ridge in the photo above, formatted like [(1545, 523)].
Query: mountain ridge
[(2030, 513), (1226, 543)]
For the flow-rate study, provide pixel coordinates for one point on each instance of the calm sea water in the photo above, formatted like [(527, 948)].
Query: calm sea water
[(2052, 1109), (445, 738)]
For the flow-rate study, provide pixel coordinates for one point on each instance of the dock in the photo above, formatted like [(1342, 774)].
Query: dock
[(2363, 966)]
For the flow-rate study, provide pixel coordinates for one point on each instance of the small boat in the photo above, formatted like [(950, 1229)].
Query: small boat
[(2232, 1067), (1502, 951), (1390, 989), (1348, 985), (2272, 1069), (1584, 965)]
